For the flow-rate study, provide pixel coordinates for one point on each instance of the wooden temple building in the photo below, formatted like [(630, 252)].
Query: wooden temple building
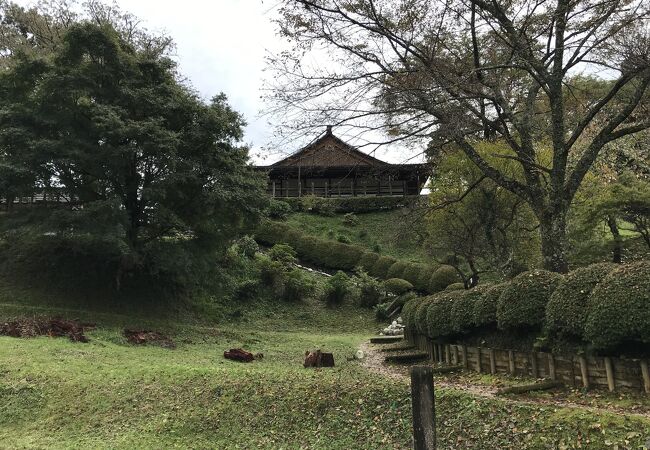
[(330, 167)]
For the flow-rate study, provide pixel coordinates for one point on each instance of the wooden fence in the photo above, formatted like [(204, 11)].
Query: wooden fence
[(575, 371)]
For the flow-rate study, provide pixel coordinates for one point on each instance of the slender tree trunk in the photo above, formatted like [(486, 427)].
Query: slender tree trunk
[(554, 240), (617, 251)]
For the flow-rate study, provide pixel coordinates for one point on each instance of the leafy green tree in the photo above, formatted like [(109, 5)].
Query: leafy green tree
[(459, 71), (144, 160), (474, 224)]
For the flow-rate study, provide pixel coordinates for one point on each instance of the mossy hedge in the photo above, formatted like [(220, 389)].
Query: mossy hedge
[(397, 286), (462, 310), (522, 304), (311, 203), (485, 307), (368, 260), (420, 316), (438, 317), (619, 308), (409, 310), (566, 311), (380, 268), (422, 282), (442, 277), (396, 270), (455, 287)]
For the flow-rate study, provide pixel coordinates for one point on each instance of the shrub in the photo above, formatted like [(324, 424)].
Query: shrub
[(270, 232), (247, 246), (368, 260), (247, 290), (283, 253), (485, 307), (343, 238), (420, 316), (337, 288), (566, 311), (370, 289), (308, 247), (376, 247), (271, 272), (397, 286), (455, 287), (404, 298), (462, 310), (278, 210), (438, 317), (442, 277), (297, 286), (523, 302), (350, 219), (396, 270), (619, 308), (380, 268), (408, 312), (412, 271), (336, 255), (422, 283)]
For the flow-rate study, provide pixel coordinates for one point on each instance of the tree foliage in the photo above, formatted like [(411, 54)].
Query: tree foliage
[(459, 71), (141, 158)]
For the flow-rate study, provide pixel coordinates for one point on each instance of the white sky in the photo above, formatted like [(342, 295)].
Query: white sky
[(220, 47)]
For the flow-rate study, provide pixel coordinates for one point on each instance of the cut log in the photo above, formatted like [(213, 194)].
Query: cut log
[(529, 388), (386, 339), (406, 357), (317, 358), (237, 354), (447, 369)]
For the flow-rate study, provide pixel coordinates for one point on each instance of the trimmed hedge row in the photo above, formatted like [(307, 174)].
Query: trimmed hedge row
[(605, 306), (337, 255), (349, 204)]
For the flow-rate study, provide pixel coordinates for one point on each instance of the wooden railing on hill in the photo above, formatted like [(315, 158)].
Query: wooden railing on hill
[(572, 370)]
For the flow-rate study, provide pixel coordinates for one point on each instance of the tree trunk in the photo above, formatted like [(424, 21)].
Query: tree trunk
[(554, 241), (617, 251)]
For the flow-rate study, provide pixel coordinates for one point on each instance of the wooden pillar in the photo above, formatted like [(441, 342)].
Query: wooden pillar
[(645, 373), (456, 359), (609, 370), (478, 360), (533, 365), (423, 404), (465, 362), (511, 362), (448, 354), (493, 362), (551, 367), (273, 189), (584, 372)]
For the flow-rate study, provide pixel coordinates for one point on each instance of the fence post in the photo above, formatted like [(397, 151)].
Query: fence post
[(493, 362), (424, 414), (646, 376), (584, 372), (551, 367), (609, 370)]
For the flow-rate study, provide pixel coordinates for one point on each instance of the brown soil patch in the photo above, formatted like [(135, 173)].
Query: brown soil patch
[(53, 327), (143, 337)]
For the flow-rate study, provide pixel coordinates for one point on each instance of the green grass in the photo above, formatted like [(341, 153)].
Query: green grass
[(109, 394), (392, 231)]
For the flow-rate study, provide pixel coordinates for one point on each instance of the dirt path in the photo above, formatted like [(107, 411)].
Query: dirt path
[(374, 361)]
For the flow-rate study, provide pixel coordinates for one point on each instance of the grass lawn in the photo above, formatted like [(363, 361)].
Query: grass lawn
[(393, 231), (109, 394)]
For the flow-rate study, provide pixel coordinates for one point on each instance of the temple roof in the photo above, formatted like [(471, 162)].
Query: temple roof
[(330, 151)]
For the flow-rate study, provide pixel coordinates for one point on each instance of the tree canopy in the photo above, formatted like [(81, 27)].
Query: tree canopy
[(459, 71), (144, 161)]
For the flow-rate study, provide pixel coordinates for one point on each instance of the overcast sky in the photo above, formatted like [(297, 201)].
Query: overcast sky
[(221, 47)]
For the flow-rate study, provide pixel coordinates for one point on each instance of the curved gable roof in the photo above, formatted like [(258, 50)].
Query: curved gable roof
[(329, 150)]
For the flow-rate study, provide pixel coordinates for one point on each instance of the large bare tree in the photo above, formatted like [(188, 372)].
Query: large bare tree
[(453, 72)]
